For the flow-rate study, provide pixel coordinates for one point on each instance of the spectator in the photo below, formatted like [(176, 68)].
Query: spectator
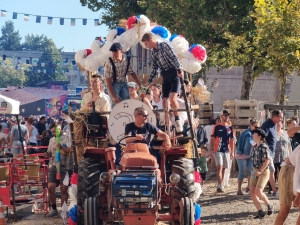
[(285, 186), (201, 136), (115, 70), (269, 126), (283, 148), (33, 132), (202, 163), (243, 154), (66, 166), (157, 103), (221, 144), (132, 86), (3, 140), (188, 86), (148, 98), (292, 122), (96, 95), (3, 124), (45, 138), (208, 130), (260, 172), (14, 139), (41, 127)]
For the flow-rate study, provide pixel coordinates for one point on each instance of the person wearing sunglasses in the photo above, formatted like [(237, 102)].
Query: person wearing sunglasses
[(243, 154), (142, 130)]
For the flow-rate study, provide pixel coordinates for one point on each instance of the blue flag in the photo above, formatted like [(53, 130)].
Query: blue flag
[(84, 21), (38, 19), (61, 21), (15, 16)]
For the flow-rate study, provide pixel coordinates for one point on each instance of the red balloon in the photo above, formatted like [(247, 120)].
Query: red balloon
[(198, 222), (71, 222), (131, 20), (197, 176), (199, 53), (74, 179)]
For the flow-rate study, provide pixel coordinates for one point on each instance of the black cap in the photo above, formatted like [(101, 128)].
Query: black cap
[(116, 47), (224, 112), (260, 132)]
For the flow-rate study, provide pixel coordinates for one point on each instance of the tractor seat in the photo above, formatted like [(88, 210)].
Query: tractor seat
[(137, 155)]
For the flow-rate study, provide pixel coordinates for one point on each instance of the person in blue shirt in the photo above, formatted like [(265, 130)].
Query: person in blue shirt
[(142, 130), (243, 154), (269, 126)]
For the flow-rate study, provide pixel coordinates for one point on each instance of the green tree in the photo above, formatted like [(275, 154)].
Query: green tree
[(114, 10), (278, 34), (49, 66), (11, 74), (37, 42), (10, 39)]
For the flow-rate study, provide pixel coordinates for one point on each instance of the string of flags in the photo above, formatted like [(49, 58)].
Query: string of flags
[(38, 18)]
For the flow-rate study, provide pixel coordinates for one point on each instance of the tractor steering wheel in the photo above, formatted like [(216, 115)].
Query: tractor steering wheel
[(121, 144)]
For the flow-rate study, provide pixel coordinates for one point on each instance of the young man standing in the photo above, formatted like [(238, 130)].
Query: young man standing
[(167, 64), (221, 144), (115, 71), (269, 126), (102, 103)]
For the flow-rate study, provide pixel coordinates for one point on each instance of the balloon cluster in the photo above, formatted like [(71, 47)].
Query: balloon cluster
[(191, 57), (73, 196), (198, 211)]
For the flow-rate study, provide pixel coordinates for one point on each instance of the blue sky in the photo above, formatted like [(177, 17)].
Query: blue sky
[(72, 38)]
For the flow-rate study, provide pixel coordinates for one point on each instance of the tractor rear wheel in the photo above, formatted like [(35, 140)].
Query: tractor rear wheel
[(185, 169), (88, 185)]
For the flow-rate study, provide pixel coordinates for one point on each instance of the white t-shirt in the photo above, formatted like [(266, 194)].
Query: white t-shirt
[(208, 130), (158, 104), (295, 160), (34, 133)]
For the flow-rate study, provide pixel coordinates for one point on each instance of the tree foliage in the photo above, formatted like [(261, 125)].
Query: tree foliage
[(11, 75), (10, 39), (278, 34), (114, 10), (37, 42), (52, 68)]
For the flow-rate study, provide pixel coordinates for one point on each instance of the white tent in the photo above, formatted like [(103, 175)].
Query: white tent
[(9, 106)]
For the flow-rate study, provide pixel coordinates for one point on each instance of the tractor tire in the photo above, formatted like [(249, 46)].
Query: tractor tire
[(91, 211), (185, 169), (187, 211), (88, 184)]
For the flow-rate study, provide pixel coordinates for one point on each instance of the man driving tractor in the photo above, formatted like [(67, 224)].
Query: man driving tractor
[(142, 130)]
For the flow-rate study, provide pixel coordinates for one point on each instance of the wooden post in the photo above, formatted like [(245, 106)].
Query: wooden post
[(89, 80), (267, 112)]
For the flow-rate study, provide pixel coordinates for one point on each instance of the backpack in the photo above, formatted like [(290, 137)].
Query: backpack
[(114, 68)]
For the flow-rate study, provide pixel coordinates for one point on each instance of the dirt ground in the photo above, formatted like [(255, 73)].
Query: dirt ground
[(223, 209)]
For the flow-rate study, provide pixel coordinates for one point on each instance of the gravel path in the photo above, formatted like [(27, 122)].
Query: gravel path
[(222, 209)]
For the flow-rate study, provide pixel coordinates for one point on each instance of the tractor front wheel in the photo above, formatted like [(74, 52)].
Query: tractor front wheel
[(186, 211)]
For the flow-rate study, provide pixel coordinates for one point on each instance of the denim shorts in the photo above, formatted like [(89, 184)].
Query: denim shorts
[(243, 164), (171, 83)]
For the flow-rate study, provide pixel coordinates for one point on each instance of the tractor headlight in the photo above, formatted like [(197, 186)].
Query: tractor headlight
[(104, 177), (174, 178)]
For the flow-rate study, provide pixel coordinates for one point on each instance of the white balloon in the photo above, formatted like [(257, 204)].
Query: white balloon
[(111, 35), (180, 44)]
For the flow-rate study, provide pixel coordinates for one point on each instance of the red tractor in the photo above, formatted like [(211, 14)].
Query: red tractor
[(138, 190)]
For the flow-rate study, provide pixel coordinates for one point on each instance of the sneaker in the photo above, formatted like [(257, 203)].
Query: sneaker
[(220, 189), (260, 215), (53, 212), (178, 126), (274, 195), (271, 210)]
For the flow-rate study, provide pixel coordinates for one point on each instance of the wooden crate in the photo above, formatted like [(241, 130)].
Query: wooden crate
[(204, 121), (250, 113)]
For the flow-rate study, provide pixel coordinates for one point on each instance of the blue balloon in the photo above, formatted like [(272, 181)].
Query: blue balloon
[(160, 30), (173, 36), (198, 211), (73, 213)]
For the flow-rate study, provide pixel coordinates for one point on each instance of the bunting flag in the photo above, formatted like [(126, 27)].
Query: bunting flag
[(50, 20), (27, 61), (73, 22), (38, 19), (3, 13), (3, 57), (26, 17), (61, 21)]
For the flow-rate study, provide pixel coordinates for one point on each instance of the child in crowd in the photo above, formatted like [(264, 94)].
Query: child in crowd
[(202, 163)]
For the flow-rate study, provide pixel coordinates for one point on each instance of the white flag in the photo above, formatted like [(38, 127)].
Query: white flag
[(3, 13)]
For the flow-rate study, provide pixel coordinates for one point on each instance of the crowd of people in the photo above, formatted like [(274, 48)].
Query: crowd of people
[(268, 152)]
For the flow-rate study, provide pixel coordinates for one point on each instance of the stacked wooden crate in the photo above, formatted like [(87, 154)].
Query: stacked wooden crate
[(241, 112), (205, 112)]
